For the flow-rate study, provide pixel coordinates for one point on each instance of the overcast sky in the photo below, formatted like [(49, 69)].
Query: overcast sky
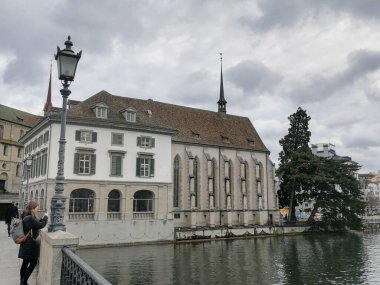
[(323, 56)]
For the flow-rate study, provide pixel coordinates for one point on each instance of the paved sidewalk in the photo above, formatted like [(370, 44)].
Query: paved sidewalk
[(9, 263)]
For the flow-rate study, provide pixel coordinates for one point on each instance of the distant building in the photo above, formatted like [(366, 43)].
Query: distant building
[(137, 169), (370, 187), (13, 125)]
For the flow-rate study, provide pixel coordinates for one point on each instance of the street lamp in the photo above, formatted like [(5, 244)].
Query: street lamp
[(67, 62), (29, 162)]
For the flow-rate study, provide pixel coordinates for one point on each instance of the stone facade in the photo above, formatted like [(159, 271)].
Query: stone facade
[(136, 169), (13, 125)]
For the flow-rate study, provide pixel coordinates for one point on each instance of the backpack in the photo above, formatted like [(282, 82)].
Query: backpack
[(17, 231)]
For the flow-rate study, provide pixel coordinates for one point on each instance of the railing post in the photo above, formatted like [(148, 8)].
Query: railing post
[(51, 255)]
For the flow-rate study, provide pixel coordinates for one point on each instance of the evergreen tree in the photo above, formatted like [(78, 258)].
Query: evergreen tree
[(295, 148), (336, 194)]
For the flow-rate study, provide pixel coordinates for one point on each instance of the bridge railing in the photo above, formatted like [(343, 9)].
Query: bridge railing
[(76, 271)]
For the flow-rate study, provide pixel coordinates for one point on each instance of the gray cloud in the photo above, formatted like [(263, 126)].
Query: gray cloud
[(283, 14), (252, 76), (320, 87)]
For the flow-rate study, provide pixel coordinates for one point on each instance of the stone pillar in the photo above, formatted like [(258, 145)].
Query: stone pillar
[(51, 255), (229, 219), (193, 220), (211, 219), (246, 218)]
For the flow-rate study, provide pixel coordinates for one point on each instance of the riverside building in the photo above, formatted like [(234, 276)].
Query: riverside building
[(137, 169), (13, 125)]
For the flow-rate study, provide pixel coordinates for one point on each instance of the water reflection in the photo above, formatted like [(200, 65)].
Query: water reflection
[(310, 259)]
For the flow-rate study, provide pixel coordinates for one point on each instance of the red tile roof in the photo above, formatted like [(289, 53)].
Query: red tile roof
[(194, 126)]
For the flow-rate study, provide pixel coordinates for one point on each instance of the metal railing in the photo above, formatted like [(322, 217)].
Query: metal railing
[(75, 271)]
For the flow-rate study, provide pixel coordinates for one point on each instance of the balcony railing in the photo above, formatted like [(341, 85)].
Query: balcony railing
[(75, 271), (81, 216), (113, 216), (143, 215)]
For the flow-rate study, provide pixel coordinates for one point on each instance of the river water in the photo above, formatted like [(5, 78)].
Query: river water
[(303, 259)]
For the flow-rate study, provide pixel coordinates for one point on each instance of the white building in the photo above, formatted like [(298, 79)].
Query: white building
[(136, 169)]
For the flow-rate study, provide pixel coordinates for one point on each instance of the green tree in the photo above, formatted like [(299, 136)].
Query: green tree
[(295, 149), (336, 193)]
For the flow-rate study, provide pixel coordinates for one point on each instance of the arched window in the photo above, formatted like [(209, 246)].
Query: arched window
[(143, 201), (36, 199), (31, 196), (176, 181), (41, 203), (114, 201), (196, 179), (82, 201)]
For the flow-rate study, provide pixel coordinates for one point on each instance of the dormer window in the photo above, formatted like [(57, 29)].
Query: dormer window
[(129, 114), (225, 139), (101, 110), (251, 142)]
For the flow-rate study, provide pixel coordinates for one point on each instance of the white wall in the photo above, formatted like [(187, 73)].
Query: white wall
[(161, 151)]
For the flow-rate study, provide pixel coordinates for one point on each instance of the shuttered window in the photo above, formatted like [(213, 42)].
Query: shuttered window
[(84, 163), (144, 167), (86, 136), (146, 142)]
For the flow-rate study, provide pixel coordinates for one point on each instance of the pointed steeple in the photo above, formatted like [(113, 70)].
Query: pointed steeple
[(48, 103), (222, 102)]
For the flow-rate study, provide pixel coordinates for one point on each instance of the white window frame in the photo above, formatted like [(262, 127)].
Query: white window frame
[(86, 136), (130, 116), (84, 161), (114, 141), (101, 112)]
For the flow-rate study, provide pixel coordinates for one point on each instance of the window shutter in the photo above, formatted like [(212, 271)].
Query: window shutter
[(77, 135), (152, 142), (138, 141), (118, 165), (94, 136), (138, 165), (76, 163), (93, 164), (151, 167)]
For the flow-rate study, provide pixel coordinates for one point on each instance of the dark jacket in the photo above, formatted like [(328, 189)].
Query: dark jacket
[(12, 212), (29, 249)]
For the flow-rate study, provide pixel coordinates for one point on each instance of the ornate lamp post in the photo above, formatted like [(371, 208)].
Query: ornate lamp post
[(28, 162), (67, 62)]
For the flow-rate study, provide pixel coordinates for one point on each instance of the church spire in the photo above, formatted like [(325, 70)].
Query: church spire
[(48, 103), (222, 102)]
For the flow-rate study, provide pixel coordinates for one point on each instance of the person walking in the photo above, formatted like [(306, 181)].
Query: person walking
[(12, 212), (30, 250)]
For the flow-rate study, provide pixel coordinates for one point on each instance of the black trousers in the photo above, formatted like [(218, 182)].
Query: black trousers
[(9, 228), (27, 268)]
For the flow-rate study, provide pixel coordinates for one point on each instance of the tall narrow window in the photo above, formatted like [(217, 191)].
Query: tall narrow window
[(145, 166), (116, 164), (196, 190), (1, 131), (176, 184)]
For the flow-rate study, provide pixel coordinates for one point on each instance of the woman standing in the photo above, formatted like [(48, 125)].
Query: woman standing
[(30, 250)]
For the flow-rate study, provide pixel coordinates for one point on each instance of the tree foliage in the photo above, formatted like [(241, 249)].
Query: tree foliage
[(294, 144), (329, 182)]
